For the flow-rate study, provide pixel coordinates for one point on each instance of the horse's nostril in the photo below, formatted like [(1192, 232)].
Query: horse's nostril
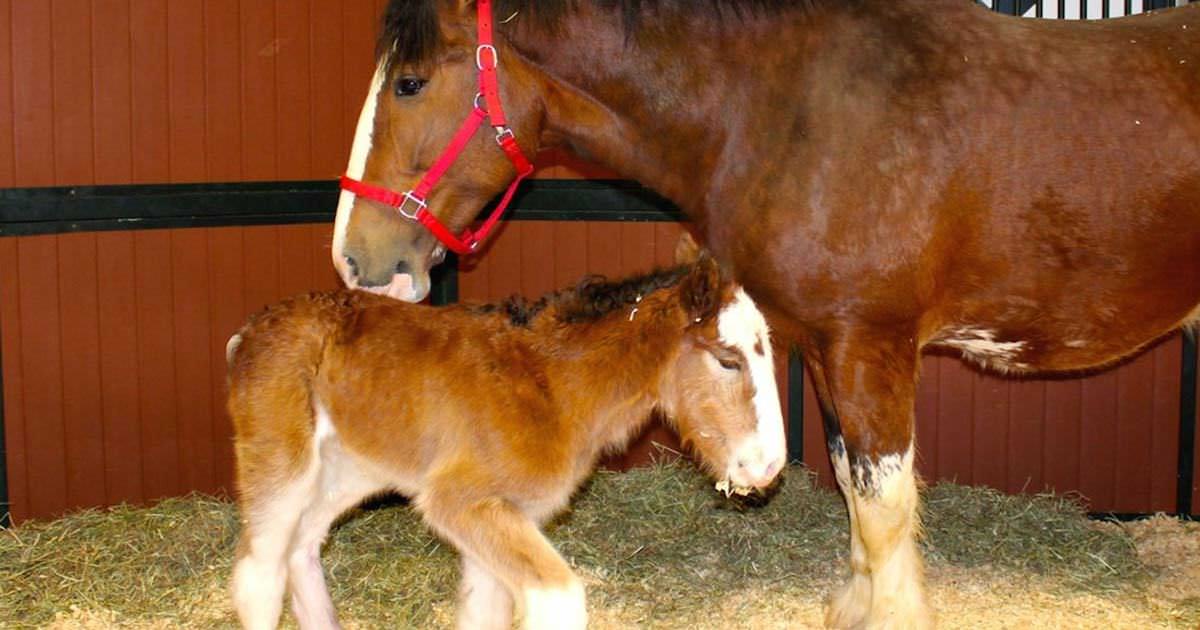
[(353, 265), (403, 267)]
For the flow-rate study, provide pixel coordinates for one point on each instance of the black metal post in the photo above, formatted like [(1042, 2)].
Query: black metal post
[(1186, 478), (444, 278), (795, 399)]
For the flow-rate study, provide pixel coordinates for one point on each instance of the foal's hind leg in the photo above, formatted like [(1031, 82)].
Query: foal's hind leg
[(492, 533), (340, 487), (484, 602), (869, 387), (269, 516)]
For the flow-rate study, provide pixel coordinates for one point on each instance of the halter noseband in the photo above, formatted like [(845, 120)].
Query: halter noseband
[(412, 204)]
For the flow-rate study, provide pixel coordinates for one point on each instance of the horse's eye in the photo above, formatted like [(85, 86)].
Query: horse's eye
[(409, 86)]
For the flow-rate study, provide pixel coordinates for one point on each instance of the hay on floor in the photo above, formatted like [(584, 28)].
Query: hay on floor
[(657, 547)]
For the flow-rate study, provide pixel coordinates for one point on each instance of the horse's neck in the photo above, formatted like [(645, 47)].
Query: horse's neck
[(659, 105)]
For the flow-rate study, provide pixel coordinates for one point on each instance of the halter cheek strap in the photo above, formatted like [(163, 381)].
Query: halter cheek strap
[(413, 203)]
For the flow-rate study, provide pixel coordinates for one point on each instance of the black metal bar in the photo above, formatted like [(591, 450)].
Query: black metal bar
[(795, 398), (25, 211), (444, 278), (1186, 477)]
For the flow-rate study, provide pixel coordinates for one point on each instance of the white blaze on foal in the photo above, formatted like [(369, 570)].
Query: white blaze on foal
[(764, 454)]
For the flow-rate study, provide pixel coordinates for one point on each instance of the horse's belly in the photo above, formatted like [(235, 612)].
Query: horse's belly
[(1054, 344)]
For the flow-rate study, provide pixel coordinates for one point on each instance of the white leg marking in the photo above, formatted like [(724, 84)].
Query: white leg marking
[(484, 603), (231, 348), (886, 503), (341, 487), (260, 576), (355, 169), (849, 606), (742, 325), (556, 608)]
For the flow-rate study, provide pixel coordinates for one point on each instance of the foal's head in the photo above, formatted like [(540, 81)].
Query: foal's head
[(721, 392)]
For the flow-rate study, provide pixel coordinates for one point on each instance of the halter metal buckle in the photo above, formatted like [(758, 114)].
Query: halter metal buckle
[(407, 197), (479, 56), (502, 133)]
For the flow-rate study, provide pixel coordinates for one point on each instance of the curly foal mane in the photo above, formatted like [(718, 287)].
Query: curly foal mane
[(593, 298)]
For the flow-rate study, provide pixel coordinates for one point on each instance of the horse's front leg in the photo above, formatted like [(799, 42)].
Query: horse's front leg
[(867, 386)]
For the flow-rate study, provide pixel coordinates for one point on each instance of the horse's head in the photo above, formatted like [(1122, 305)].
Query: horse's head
[(721, 392), (425, 85)]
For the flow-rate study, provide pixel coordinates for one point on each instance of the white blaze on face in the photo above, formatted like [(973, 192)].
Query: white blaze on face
[(355, 169), (743, 326)]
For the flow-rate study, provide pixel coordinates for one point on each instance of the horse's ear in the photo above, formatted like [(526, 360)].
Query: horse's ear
[(700, 290), (687, 251)]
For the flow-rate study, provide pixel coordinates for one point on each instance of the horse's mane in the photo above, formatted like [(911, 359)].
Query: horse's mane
[(410, 33), (593, 298)]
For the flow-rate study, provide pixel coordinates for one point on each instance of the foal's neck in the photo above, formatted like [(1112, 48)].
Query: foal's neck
[(614, 368)]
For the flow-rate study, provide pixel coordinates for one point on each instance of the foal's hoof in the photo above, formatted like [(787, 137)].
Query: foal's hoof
[(756, 498)]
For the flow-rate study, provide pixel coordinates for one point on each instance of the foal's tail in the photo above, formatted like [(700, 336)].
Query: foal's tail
[(273, 361)]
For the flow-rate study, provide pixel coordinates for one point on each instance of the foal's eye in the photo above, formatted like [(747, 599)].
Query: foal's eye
[(409, 86), (731, 365)]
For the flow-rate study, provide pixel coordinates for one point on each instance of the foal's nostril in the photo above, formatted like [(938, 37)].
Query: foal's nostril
[(353, 265), (741, 464)]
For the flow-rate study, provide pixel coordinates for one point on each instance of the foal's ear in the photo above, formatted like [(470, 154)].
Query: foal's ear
[(700, 290), (687, 251)]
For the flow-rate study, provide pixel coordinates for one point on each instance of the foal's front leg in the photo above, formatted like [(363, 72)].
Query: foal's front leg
[(868, 391), (496, 539)]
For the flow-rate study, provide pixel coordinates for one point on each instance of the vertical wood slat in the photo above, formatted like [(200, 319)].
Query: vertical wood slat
[(1134, 433), (72, 64), (32, 94), (330, 138), (259, 50), (227, 313), (42, 374), (190, 299), (185, 61), (358, 64), (7, 163), (156, 363), (11, 334), (293, 105), (111, 86), (1167, 390), (119, 381), (223, 90), (78, 299), (151, 124)]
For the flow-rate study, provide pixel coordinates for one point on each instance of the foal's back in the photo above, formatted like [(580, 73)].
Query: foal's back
[(404, 384)]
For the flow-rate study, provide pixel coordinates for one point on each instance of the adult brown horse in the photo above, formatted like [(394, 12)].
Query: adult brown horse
[(884, 176)]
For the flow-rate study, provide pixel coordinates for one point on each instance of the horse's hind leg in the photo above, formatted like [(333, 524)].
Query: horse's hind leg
[(495, 535), (870, 384)]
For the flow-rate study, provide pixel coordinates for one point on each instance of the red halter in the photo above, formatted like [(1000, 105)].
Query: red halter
[(412, 204)]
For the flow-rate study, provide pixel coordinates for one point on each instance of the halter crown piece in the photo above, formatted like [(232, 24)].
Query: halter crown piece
[(412, 204)]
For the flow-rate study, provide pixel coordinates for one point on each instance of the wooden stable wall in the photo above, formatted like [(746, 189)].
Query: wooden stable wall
[(113, 368), (113, 342), (136, 91)]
